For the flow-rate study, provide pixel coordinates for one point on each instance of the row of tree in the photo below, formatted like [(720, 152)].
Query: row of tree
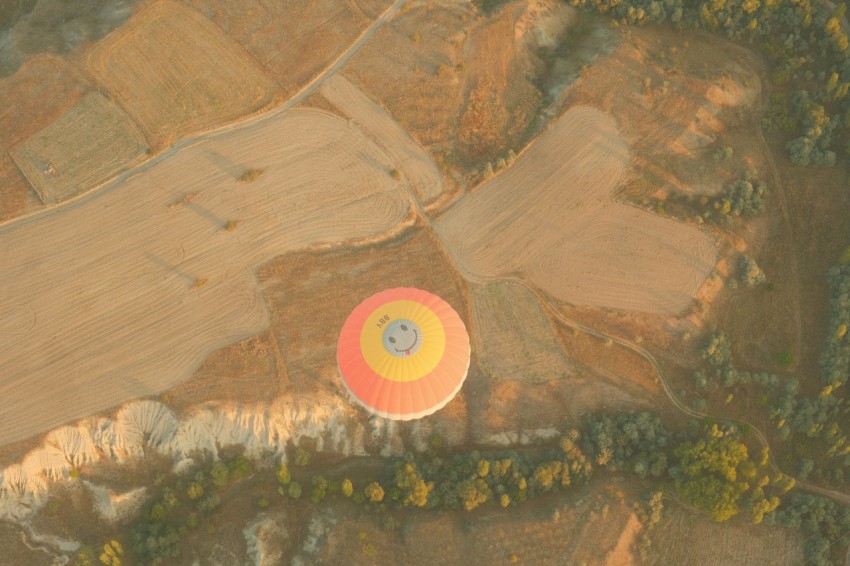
[(709, 466)]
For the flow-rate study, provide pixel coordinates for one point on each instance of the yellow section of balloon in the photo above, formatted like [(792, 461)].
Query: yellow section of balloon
[(417, 365)]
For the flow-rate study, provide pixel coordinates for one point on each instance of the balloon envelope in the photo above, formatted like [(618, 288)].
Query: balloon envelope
[(403, 353)]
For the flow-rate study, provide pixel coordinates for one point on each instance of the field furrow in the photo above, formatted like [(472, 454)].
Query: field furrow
[(123, 292), (550, 217), (408, 156)]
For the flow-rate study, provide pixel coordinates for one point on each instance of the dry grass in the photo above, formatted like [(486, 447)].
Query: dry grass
[(108, 278), (87, 145), (426, 102), (564, 233), (307, 308), (513, 337), (292, 39), (554, 530), (688, 538), (175, 72), (244, 373), (500, 99), (407, 155)]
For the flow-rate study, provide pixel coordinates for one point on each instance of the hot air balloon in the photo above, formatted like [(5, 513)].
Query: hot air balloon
[(403, 353)]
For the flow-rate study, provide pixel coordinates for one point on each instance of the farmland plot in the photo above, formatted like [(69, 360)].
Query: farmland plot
[(292, 39), (513, 337), (550, 217), (685, 538), (122, 293), (43, 89), (86, 146), (175, 72)]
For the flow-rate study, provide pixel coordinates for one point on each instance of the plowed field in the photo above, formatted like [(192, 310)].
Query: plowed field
[(124, 292), (550, 217)]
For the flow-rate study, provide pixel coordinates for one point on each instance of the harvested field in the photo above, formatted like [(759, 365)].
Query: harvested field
[(293, 39), (129, 292), (684, 537), (175, 72), (563, 232), (407, 155), (44, 88), (89, 144), (513, 338)]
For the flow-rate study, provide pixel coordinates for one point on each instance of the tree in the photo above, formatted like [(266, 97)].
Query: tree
[(717, 350), (347, 487), (472, 493), (302, 457), (195, 491), (413, 488), (374, 492), (219, 474), (320, 488), (751, 273), (294, 490), (112, 551), (708, 470), (283, 475)]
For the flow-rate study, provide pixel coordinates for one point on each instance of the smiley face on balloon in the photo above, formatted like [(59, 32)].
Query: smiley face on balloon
[(402, 338)]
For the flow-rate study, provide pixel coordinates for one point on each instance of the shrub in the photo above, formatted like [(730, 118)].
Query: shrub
[(302, 457), (294, 490), (374, 492), (250, 175)]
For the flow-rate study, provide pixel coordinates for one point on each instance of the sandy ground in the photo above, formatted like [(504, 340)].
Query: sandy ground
[(563, 232), (89, 144), (407, 155), (123, 293), (175, 72), (512, 337)]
